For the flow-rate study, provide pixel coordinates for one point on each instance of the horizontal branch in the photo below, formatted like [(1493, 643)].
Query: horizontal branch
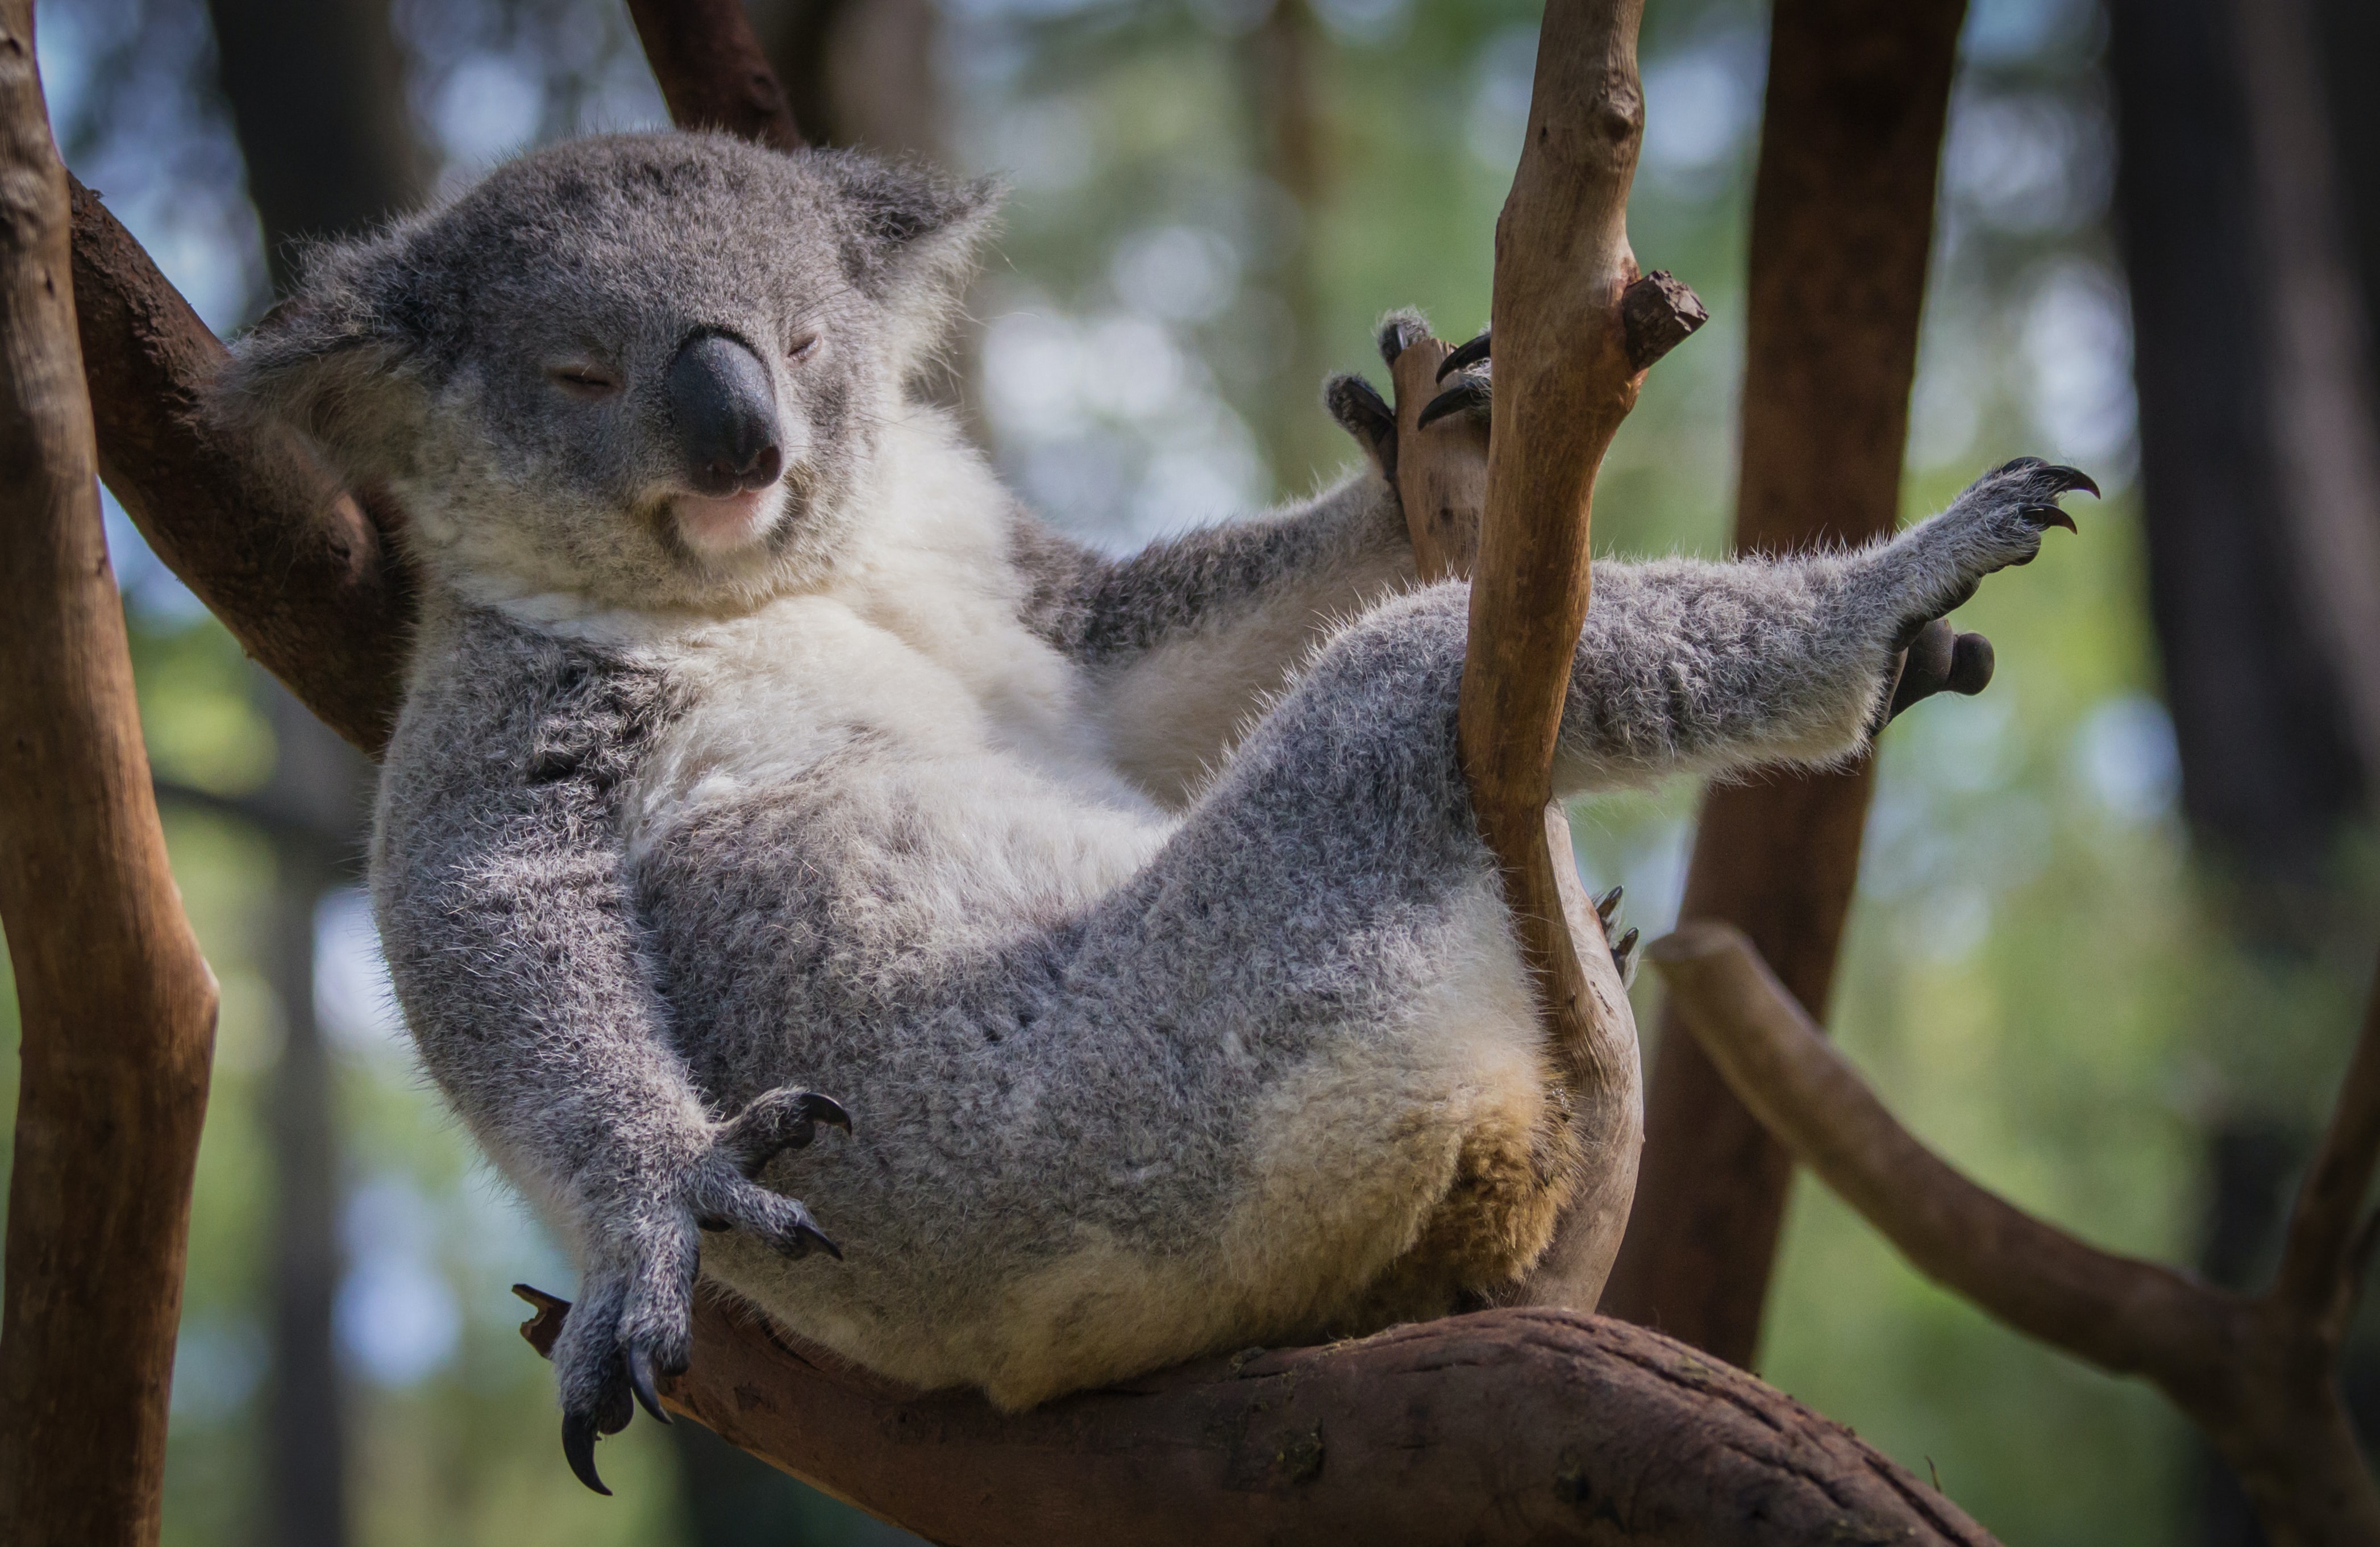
[(1508, 1426)]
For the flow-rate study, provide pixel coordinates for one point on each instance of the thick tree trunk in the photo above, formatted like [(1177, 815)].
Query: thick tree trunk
[(1843, 223), (117, 1004)]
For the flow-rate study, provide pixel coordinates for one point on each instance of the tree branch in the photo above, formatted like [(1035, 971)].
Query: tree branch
[(712, 71), (305, 579), (1564, 381), (1842, 217), (2260, 1376), (1521, 1425), (2319, 1269), (117, 1004)]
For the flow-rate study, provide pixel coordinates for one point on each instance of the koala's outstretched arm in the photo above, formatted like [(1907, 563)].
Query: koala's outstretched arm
[(1709, 667), (503, 904), (1188, 638)]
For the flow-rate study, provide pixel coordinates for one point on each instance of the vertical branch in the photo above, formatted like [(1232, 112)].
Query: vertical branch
[(2325, 421), (1564, 380), (117, 1003), (712, 71), (1842, 226)]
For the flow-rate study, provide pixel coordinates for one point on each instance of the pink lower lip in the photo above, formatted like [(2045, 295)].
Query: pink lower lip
[(715, 525)]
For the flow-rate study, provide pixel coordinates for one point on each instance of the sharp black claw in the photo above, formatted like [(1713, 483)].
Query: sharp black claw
[(640, 1380), (2049, 515), (1627, 943), (579, 1449), (1606, 906), (806, 1233), (826, 1109), (1462, 354), (1471, 392)]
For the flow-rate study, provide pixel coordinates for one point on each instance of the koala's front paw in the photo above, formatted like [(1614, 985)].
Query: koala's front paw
[(635, 1314), (1998, 522)]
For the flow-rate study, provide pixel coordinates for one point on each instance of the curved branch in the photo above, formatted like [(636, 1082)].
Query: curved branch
[(118, 1006), (302, 576), (2319, 1261), (2260, 1376), (1518, 1425), (1564, 380)]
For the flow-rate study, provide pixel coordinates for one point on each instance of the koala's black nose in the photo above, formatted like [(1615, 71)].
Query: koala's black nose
[(724, 411)]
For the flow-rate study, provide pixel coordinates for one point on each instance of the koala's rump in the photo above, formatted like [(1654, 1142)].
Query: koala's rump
[(1125, 1092)]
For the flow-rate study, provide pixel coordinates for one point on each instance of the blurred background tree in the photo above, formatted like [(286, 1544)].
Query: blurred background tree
[(2115, 916)]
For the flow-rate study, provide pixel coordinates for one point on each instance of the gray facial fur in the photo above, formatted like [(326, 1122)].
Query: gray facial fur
[(1132, 908)]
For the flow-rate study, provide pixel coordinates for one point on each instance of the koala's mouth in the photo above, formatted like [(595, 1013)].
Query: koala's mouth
[(718, 528)]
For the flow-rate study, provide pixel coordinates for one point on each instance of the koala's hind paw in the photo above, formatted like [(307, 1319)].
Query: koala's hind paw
[(633, 1320), (1474, 391), (1937, 659), (1360, 410)]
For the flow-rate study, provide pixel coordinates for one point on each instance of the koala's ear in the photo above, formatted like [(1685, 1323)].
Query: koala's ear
[(911, 240), (328, 360)]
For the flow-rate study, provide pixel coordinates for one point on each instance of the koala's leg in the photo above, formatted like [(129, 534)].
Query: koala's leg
[(1686, 665)]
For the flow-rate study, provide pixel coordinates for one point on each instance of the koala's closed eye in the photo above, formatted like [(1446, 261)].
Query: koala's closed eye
[(586, 382), (802, 345)]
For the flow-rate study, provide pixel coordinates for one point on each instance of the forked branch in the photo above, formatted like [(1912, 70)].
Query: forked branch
[(2259, 1375)]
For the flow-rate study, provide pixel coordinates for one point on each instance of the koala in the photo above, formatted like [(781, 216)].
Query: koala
[(764, 766)]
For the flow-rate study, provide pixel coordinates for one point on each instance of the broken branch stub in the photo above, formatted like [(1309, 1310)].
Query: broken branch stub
[(1657, 313)]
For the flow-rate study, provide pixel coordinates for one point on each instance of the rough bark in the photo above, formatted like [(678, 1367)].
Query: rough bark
[(1508, 1426), (116, 1005), (2258, 1374), (1843, 223)]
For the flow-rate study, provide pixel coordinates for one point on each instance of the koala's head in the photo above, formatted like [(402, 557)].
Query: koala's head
[(647, 370)]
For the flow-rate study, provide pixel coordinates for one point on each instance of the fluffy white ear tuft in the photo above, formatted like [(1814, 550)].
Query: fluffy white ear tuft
[(911, 243)]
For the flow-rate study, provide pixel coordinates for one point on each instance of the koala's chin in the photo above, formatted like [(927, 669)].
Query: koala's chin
[(717, 528)]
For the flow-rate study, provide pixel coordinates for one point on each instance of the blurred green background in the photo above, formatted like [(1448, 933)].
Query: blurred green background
[(1212, 200)]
